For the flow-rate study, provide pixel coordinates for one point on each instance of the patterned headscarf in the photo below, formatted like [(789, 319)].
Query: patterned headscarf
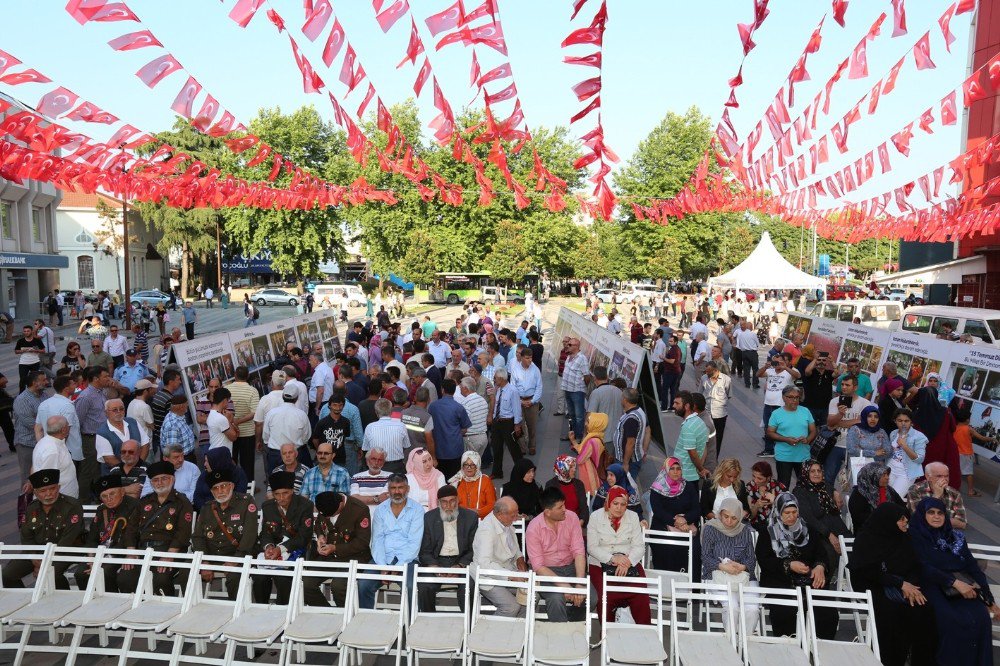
[(785, 537), (563, 468), (664, 484), (868, 482)]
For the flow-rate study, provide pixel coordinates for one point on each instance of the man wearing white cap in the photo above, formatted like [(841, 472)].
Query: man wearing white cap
[(286, 423), (140, 409)]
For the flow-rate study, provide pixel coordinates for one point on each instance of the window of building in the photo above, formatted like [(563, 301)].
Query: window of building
[(36, 224), (6, 224), (85, 272)]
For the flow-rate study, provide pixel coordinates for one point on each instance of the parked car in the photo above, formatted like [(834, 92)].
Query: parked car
[(334, 290), (274, 297), (839, 292), (70, 294), (150, 298), (605, 296), (644, 291), (896, 295), (240, 283)]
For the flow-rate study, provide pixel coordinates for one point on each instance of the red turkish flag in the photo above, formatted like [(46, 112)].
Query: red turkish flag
[(816, 39), (869, 165), (592, 60), (275, 18), (347, 68), (965, 6), (243, 12), (27, 76), (901, 139), (839, 9), (840, 136), (587, 88), (262, 154), (83, 10), (388, 17), (366, 100), (949, 113), (738, 79), (922, 52), (594, 104), (890, 81), (590, 35), (992, 69), (732, 102), (134, 40), (474, 71), (422, 76), (334, 41), (510, 92), (158, 69), (746, 36), (206, 114), (938, 176), (883, 158), (447, 20), (122, 136), (873, 97), (7, 61), (311, 82), (502, 72), (317, 19), (242, 144), (859, 61), (898, 18), (488, 8), (415, 46), (89, 113), (926, 118), (184, 102), (57, 102), (112, 12), (224, 126), (577, 6), (945, 23), (972, 90)]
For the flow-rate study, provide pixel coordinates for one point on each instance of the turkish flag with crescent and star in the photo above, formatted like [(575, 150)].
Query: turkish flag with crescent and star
[(158, 69), (134, 40)]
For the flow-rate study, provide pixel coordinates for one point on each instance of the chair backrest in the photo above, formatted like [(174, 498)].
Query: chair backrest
[(188, 562), (651, 587), (89, 511), (17, 552), (68, 555), (759, 596), (520, 525), (665, 538), (843, 573), (842, 601), (985, 553), (116, 557), (683, 595), (434, 576), (323, 570), (513, 581), (275, 569), (557, 584), (387, 573)]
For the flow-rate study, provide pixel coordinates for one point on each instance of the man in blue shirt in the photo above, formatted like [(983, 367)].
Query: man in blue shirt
[(527, 379), (505, 417), (450, 423), (190, 317), (131, 371), (397, 531)]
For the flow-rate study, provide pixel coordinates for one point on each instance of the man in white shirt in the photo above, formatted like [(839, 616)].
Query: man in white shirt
[(302, 402), (699, 327), (221, 431), (267, 403), (320, 386), (139, 408), (844, 412), (717, 387), (701, 357), (371, 486), (286, 423), (438, 348), (748, 344), (456, 363), (117, 430), (115, 346), (60, 404), (51, 453), (495, 547)]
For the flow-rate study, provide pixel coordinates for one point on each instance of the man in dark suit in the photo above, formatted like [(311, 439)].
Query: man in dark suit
[(448, 535)]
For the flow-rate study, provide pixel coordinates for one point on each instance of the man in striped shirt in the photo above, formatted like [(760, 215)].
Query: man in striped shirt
[(371, 486), (389, 435), (478, 409)]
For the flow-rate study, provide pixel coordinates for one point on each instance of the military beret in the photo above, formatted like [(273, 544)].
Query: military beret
[(44, 477), (217, 476), (158, 468), (327, 503), (107, 482), (281, 481)]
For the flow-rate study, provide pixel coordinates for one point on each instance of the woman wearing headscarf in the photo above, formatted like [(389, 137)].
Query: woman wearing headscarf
[(938, 423), (424, 478), (867, 438), (884, 562), (589, 450), (819, 505), (615, 546), (762, 489), (523, 489), (790, 555), (218, 459), (955, 586), (475, 489), (676, 508), (872, 491), (727, 553), (808, 356), (890, 401), (617, 477), (570, 486)]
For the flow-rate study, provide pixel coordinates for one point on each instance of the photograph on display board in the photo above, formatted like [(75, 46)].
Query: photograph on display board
[(599, 359), (796, 324), (279, 339), (199, 374), (255, 354), (629, 370), (991, 389), (825, 343), (327, 328), (985, 421), (308, 335), (616, 369), (968, 382)]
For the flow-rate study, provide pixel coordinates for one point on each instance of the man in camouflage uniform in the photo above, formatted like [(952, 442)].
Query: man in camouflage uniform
[(347, 538), (165, 526), (227, 525), (286, 534), (115, 525), (51, 518)]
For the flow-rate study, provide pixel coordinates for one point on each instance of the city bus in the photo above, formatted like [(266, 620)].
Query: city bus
[(454, 288)]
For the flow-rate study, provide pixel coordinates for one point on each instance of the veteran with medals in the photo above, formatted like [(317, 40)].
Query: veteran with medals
[(227, 525), (286, 534), (343, 532), (115, 525)]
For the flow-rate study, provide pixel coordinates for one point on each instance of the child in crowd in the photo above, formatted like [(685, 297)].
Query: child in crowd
[(964, 434)]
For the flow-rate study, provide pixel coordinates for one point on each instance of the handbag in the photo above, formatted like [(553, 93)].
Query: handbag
[(610, 569), (732, 580), (849, 472), (951, 593), (826, 439)]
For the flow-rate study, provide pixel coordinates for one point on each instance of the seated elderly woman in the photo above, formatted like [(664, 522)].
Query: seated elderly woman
[(727, 553), (819, 506), (424, 478), (872, 491), (475, 489), (615, 546)]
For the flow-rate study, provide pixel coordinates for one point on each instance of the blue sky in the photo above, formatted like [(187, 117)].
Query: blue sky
[(659, 56)]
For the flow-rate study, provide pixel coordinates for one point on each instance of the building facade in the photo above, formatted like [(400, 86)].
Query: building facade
[(94, 265)]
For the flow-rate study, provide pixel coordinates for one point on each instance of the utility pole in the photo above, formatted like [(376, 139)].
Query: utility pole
[(127, 296), (218, 256)]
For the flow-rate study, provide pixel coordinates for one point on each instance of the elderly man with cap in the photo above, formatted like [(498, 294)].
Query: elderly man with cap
[(115, 525), (51, 453), (286, 423), (449, 533), (115, 431), (343, 532), (129, 373), (495, 547), (227, 525), (164, 525), (51, 518), (286, 533), (397, 532)]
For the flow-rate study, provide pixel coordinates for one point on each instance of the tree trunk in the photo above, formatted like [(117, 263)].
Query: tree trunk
[(185, 270)]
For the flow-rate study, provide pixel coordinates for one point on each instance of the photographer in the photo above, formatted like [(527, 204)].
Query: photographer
[(817, 383)]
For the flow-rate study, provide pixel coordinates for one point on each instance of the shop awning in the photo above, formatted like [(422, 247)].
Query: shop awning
[(949, 272)]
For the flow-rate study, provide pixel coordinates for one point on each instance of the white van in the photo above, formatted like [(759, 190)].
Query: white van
[(643, 291), (982, 325), (333, 292), (880, 314)]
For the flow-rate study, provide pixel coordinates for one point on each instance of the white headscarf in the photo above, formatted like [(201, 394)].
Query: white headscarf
[(475, 458)]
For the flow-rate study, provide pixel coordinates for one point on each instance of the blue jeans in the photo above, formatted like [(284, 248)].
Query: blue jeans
[(272, 458), (351, 463), (368, 588), (576, 411), (768, 442), (834, 461)]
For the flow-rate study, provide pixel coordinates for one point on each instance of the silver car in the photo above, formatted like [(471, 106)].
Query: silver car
[(274, 297), (150, 298)]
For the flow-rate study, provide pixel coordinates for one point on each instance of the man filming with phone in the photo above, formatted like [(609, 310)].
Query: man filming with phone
[(817, 383), (844, 412)]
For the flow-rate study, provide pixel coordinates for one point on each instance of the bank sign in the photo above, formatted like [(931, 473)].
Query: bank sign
[(21, 260)]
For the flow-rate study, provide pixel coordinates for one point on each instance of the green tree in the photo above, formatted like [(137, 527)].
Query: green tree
[(737, 245), (548, 237), (508, 260), (422, 259)]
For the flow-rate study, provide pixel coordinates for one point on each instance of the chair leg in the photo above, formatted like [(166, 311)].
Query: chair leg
[(74, 645), (126, 646), (175, 652), (230, 653), (23, 644)]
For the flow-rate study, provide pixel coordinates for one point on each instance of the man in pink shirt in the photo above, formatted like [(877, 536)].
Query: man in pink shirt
[(554, 541)]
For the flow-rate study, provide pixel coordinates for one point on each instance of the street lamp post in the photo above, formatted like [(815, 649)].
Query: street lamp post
[(125, 245)]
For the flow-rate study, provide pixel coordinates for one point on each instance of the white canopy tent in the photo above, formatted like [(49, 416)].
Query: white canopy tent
[(765, 268)]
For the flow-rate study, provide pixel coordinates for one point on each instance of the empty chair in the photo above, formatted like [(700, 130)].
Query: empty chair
[(15, 598), (493, 637), (684, 542), (632, 643), (442, 632), (831, 652), (558, 642), (374, 631), (257, 623), (984, 553), (711, 645), (315, 628), (772, 650)]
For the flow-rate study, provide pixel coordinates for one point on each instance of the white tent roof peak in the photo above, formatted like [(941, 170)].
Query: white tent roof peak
[(765, 268)]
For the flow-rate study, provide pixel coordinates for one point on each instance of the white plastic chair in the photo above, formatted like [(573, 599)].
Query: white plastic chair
[(13, 599), (764, 650), (374, 631), (257, 623), (442, 632), (844, 582), (985, 553), (492, 637), (560, 643), (520, 526), (711, 645), (862, 651), (679, 540), (315, 628), (632, 643)]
